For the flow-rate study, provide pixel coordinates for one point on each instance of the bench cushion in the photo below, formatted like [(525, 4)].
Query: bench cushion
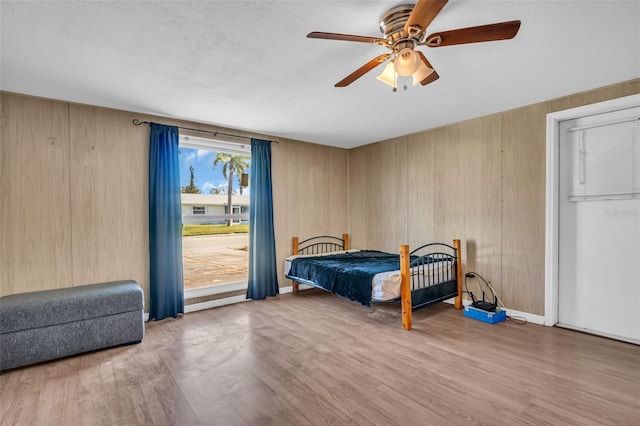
[(38, 309)]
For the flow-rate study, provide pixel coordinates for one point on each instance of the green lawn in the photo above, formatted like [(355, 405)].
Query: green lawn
[(190, 230)]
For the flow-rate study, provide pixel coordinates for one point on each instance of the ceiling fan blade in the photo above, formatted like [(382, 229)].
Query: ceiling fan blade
[(491, 32), (345, 37), (422, 14), (362, 70), (431, 77)]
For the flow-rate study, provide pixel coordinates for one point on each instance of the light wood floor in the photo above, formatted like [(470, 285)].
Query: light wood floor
[(317, 359)]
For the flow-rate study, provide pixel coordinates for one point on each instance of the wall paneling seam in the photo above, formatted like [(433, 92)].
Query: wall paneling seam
[(70, 236), (349, 193), (406, 188), (502, 286)]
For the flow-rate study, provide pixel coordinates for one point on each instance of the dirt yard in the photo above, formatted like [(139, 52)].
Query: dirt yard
[(215, 259)]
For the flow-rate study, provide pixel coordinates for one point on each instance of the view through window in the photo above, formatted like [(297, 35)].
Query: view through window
[(215, 238)]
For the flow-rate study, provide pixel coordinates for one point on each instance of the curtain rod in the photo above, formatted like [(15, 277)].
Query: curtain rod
[(137, 122)]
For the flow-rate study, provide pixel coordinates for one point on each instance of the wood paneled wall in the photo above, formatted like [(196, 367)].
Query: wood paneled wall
[(310, 193), (34, 195), (73, 194), (481, 180), (108, 184), (375, 170)]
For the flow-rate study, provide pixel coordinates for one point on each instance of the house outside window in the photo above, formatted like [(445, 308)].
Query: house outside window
[(197, 210)]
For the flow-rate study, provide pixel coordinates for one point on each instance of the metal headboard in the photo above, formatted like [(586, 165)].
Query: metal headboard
[(320, 245)]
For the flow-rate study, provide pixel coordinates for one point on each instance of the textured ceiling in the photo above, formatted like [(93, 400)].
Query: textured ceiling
[(249, 66)]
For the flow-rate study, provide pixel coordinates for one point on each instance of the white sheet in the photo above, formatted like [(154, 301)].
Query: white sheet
[(385, 286)]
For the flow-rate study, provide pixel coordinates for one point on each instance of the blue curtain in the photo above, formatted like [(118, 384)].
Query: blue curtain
[(166, 293), (263, 274)]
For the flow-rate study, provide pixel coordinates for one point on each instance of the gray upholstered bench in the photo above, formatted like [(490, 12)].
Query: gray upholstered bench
[(45, 325)]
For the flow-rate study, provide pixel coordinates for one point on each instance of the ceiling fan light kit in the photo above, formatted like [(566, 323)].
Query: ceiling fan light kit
[(389, 76), (422, 73), (404, 28), (407, 62)]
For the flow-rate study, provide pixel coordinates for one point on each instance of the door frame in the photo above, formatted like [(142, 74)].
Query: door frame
[(552, 179)]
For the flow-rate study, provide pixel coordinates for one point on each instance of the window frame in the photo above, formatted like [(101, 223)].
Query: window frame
[(197, 142)]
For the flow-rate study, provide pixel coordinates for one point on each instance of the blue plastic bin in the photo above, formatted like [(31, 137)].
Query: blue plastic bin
[(485, 316)]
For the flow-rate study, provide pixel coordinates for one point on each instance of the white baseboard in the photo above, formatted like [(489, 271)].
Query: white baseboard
[(192, 293), (227, 301), (532, 318), (234, 299), (209, 304), (215, 303)]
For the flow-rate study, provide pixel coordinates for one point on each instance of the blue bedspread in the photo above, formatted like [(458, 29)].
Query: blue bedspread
[(347, 274)]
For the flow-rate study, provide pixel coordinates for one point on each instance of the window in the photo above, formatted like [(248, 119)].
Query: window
[(605, 162), (215, 243)]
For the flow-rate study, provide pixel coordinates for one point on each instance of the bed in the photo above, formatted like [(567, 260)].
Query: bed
[(419, 278)]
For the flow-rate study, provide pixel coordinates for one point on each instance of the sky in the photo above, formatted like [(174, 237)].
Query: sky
[(206, 177)]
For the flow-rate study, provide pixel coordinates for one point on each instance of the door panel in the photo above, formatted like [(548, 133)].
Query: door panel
[(599, 226)]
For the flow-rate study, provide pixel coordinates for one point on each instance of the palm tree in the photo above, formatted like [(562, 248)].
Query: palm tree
[(231, 163)]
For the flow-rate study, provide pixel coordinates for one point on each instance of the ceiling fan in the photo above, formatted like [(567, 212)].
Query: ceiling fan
[(404, 28)]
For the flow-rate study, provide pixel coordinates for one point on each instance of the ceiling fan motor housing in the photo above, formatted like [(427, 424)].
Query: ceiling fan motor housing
[(392, 27)]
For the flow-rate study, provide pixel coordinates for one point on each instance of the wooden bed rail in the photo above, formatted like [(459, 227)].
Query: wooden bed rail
[(458, 247), (294, 250), (405, 287), (405, 284)]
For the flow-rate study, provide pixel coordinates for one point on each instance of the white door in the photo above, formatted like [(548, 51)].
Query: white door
[(599, 224)]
